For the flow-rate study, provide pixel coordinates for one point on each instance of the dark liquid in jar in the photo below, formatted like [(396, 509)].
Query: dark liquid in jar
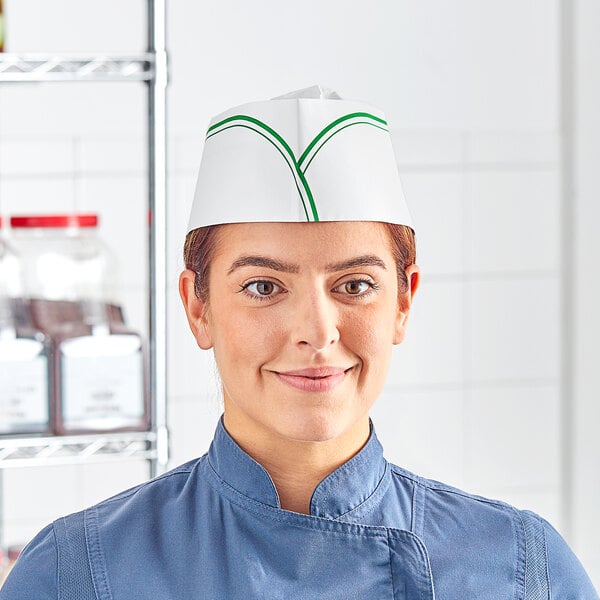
[(99, 387)]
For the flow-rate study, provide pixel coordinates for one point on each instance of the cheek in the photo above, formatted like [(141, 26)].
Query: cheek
[(247, 336), (369, 335)]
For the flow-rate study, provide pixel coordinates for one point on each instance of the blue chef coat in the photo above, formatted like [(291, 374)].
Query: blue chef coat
[(213, 529)]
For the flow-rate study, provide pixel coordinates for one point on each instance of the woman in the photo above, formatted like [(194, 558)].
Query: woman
[(300, 276)]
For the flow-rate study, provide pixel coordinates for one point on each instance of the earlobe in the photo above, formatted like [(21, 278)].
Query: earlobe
[(405, 302), (195, 310)]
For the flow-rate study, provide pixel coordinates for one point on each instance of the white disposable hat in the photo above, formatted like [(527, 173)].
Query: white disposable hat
[(305, 156)]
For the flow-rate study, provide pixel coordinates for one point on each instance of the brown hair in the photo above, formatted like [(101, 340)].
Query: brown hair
[(198, 252), (200, 244)]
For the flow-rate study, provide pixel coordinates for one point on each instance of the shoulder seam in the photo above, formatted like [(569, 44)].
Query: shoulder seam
[(128, 493), (436, 486)]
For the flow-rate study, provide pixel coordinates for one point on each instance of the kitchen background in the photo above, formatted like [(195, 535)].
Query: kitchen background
[(493, 107)]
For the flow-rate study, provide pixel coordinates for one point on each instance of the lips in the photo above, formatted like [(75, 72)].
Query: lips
[(319, 379)]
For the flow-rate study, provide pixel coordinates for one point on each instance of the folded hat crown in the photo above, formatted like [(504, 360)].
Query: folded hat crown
[(299, 159)]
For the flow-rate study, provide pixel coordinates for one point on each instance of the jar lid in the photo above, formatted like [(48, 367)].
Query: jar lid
[(56, 221), (15, 551)]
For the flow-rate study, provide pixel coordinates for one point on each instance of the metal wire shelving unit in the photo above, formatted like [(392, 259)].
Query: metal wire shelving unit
[(60, 67), (58, 450), (149, 67)]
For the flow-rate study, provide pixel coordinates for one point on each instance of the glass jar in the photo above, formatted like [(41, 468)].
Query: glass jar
[(69, 279), (24, 356)]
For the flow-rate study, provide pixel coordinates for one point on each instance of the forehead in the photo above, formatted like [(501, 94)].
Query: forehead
[(312, 243)]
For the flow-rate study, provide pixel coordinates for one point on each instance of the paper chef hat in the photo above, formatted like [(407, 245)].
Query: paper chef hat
[(305, 156)]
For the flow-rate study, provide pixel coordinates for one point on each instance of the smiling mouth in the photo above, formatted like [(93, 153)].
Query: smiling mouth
[(320, 379)]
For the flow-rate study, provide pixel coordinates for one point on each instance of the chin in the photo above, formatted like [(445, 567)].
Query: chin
[(315, 429)]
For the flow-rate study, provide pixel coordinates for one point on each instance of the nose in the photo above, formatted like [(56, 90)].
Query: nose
[(316, 322)]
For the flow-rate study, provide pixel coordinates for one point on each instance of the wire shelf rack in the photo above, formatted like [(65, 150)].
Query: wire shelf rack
[(60, 450), (64, 67)]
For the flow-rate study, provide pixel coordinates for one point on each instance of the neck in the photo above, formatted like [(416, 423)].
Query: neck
[(295, 466)]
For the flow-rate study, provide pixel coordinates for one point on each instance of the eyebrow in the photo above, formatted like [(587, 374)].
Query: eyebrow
[(360, 261), (263, 261), (284, 267)]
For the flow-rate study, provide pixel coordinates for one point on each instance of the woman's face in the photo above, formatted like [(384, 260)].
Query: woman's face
[(302, 318)]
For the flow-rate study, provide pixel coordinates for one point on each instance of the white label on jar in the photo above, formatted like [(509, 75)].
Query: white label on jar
[(23, 389), (102, 382)]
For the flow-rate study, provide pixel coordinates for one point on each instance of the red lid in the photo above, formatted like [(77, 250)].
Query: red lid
[(54, 221), (14, 552), (0, 221)]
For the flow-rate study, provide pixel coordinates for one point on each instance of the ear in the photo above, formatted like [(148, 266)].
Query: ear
[(196, 310), (405, 301)]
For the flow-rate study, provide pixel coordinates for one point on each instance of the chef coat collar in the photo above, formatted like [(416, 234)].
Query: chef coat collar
[(343, 490)]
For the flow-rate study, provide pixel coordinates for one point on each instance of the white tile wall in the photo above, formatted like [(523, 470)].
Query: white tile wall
[(534, 149), (442, 66), (512, 329), (107, 26), (56, 109), (509, 427), (423, 431), (111, 155), (430, 150), (436, 204), (432, 351), (39, 195), (46, 157), (192, 423), (473, 394), (185, 153), (512, 221)]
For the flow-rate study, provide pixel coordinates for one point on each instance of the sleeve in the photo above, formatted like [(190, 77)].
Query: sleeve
[(34, 576), (567, 577)]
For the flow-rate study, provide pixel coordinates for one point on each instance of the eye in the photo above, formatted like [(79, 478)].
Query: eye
[(261, 289), (356, 287)]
